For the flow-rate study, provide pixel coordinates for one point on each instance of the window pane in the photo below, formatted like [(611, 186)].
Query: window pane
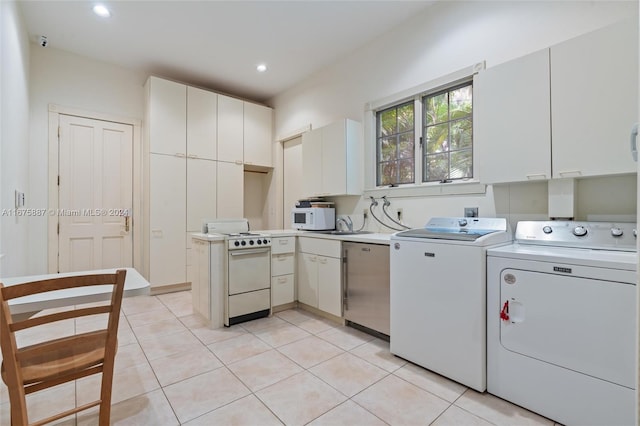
[(461, 164), (405, 145), (387, 122), (438, 138), (406, 171), (460, 102), (405, 118), (437, 108), (461, 131), (388, 149), (437, 167), (387, 173)]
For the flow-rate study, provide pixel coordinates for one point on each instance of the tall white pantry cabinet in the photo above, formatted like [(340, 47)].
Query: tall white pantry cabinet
[(195, 140)]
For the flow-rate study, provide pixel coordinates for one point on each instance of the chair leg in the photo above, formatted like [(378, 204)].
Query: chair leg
[(18, 410), (105, 396)]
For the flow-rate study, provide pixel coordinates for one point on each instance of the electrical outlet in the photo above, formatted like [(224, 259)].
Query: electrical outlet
[(399, 214), (470, 212)]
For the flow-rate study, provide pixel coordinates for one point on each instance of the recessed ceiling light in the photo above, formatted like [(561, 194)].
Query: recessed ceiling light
[(101, 11), (261, 68)]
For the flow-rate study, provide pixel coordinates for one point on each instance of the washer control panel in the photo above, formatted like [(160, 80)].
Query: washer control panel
[(593, 235)]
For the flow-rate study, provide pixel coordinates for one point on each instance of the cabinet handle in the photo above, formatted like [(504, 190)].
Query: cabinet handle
[(537, 176), (281, 258), (180, 154), (323, 260), (345, 283), (282, 280), (238, 162), (313, 258), (192, 156), (570, 173), (283, 242)]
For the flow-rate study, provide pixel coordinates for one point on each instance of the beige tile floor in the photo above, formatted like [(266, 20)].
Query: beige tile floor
[(293, 368)]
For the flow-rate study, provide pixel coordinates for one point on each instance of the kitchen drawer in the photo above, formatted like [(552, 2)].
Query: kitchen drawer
[(283, 245), (319, 246), (282, 290), (282, 264)]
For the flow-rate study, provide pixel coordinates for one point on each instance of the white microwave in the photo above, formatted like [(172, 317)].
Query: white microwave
[(313, 218)]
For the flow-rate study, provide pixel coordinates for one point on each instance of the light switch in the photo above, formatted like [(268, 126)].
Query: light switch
[(19, 199)]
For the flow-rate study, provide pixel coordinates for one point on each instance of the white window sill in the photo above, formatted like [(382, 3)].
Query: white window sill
[(428, 189)]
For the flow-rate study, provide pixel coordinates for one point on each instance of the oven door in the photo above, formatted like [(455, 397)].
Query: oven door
[(249, 270)]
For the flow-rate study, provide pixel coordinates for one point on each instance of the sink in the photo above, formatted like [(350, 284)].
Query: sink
[(335, 232)]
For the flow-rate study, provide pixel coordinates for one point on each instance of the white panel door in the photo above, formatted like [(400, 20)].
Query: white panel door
[(292, 177), (202, 119), (330, 285), (230, 194), (230, 129), (95, 194), (167, 218), (312, 163), (201, 192), (308, 279)]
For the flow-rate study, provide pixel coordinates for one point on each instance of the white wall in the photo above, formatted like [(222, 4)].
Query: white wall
[(14, 132), (65, 79), (447, 37)]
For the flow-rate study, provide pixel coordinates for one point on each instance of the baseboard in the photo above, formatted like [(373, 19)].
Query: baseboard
[(171, 288), (323, 314), (280, 308)]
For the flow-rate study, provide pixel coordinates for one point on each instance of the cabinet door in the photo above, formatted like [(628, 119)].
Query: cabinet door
[(167, 251), (330, 285), (594, 101), (257, 135), (202, 121), (308, 279), (312, 162), (201, 192), (334, 159), (230, 194), (230, 129), (167, 109), (282, 290), (512, 121)]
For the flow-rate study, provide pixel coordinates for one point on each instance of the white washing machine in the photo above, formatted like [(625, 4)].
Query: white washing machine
[(561, 321), (438, 295)]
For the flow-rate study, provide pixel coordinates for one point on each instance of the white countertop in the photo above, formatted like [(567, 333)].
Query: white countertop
[(134, 285), (373, 238)]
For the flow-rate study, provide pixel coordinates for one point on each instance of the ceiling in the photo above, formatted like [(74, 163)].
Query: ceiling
[(218, 44)]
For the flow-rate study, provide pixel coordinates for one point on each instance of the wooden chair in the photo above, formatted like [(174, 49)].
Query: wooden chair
[(43, 365)]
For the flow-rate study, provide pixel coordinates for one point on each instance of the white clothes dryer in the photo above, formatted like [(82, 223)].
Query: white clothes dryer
[(561, 321)]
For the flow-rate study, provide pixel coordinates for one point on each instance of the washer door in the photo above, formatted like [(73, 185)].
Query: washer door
[(582, 324)]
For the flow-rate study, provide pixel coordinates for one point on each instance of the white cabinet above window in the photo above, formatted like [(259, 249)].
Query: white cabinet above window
[(332, 160), (257, 135)]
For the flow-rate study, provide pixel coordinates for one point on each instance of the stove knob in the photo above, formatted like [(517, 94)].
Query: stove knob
[(580, 231), (259, 242), (462, 222), (616, 232), (244, 243), (265, 241), (237, 243), (547, 229), (250, 242)]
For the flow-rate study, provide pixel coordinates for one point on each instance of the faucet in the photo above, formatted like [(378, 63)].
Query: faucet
[(347, 222)]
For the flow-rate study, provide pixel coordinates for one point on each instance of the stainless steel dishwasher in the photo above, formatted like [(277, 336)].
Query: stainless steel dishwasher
[(366, 285)]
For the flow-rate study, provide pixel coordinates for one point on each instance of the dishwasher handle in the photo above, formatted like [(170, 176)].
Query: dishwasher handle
[(345, 282)]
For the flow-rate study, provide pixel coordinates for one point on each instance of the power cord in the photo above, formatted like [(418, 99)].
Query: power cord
[(386, 204)]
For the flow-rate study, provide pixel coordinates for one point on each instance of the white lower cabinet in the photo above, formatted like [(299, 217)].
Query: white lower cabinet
[(207, 280), (320, 274), (283, 270)]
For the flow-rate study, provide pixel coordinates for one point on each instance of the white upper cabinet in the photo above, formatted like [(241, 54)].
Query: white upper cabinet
[(594, 101), (201, 192), (167, 109), (230, 129), (230, 190), (257, 135), (202, 120), (512, 121), (332, 159)]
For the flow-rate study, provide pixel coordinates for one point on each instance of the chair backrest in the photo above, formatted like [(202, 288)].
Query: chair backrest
[(59, 360)]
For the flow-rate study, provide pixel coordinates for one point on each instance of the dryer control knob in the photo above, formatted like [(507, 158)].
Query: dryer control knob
[(616, 232), (580, 231), (462, 222), (547, 229)]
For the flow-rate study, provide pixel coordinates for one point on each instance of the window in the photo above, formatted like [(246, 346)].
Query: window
[(445, 135), (396, 145)]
